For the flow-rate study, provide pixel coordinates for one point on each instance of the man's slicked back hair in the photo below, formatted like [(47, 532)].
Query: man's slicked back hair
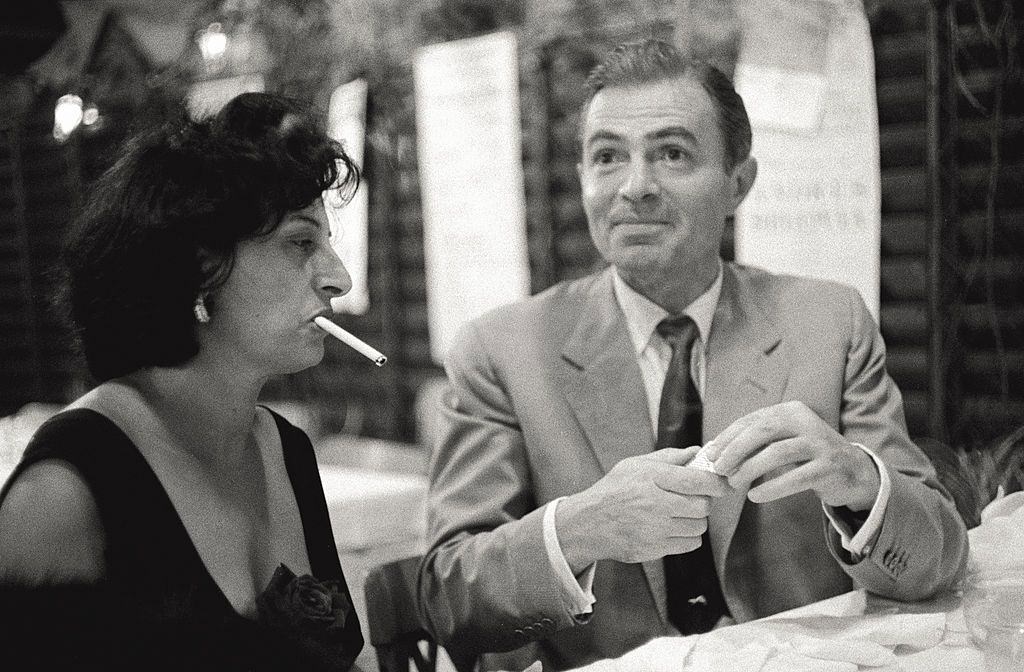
[(653, 60)]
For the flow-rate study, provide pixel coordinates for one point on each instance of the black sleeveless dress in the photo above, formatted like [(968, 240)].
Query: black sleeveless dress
[(158, 607)]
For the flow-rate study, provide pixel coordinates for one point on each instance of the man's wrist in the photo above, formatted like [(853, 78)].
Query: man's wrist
[(858, 536), (870, 481), (572, 543), (576, 588)]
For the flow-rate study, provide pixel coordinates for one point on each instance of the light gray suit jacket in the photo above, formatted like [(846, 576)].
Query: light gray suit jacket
[(546, 396)]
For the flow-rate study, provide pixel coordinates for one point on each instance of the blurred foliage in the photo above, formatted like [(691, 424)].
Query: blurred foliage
[(975, 478)]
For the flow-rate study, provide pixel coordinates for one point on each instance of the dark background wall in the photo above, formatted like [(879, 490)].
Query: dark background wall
[(952, 159)]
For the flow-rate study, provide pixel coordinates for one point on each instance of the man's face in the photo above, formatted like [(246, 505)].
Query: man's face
[(655, 187)]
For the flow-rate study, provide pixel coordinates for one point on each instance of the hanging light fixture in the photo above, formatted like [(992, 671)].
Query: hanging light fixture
[(92, 119), (213, 44), (67, 115), (90, 115)]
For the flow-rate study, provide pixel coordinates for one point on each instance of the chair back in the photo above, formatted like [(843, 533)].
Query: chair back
[(395, 630)]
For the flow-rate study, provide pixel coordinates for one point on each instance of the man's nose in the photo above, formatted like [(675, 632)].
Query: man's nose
[(333, 279), (641, 185)]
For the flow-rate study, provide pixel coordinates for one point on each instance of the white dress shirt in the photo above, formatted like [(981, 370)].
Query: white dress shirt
[(653, 356)]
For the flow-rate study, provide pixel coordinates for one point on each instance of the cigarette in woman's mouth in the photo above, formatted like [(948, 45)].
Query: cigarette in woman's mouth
[(351, 341)]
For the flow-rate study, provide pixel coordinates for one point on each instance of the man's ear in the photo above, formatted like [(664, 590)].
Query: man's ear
[(743, 176)]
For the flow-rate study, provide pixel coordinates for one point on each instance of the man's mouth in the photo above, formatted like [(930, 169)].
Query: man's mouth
[(640, 222), (639, 225)]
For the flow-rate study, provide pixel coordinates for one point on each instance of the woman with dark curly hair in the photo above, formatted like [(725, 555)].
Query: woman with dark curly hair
[(165, 519)]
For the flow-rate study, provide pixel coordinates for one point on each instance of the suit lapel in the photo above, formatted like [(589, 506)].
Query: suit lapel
[(747, 369), (606, 392), (604, 389)]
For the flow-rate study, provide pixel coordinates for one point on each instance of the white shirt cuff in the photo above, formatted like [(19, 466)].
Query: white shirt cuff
[(577, 592), (859, 544)]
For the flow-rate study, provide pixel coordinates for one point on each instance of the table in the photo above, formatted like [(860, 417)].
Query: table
[(376, 497), (833, 635)]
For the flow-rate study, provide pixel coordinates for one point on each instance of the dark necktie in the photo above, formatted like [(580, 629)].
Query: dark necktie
[(695, 601)]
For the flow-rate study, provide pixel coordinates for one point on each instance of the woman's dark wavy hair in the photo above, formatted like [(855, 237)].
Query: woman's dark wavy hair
[(161, 226)]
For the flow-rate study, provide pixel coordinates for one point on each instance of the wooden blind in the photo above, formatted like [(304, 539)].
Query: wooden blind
[(900, 44), (35, 199)]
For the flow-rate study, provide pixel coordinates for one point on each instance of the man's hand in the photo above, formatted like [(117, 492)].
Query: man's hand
[(646, 507), (790, 449)]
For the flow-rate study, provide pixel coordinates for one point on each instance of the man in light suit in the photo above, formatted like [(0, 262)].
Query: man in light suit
[(550, 511)]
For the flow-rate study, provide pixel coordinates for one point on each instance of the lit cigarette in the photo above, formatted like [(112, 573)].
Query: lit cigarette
[(351, 341)]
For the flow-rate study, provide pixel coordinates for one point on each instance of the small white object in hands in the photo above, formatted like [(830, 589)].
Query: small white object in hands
[(700, 461)]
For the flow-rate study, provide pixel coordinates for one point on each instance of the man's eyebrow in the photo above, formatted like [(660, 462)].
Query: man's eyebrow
[(603, 135), (672, 132), (660, 134)]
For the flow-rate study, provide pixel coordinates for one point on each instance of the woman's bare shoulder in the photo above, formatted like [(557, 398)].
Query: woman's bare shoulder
[(50, 530)]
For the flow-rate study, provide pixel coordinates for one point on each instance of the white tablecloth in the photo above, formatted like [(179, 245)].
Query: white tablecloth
[(847, 633), (850, 632)]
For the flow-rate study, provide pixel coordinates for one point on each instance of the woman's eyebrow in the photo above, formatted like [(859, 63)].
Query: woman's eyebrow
[(304, 218)]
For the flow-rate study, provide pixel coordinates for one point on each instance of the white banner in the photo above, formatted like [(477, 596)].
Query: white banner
[(806, 74), (346, 121), (471, 178)]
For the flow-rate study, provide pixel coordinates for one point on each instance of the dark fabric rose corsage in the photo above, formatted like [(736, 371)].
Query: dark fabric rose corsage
[(316, 616)]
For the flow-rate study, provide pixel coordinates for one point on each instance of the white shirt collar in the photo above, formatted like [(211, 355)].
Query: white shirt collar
[(643, 315)]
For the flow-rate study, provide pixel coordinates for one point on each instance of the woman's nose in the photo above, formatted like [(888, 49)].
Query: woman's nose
[(334, 278)]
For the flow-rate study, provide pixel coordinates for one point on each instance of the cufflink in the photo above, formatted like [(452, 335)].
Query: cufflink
[(700, 599)]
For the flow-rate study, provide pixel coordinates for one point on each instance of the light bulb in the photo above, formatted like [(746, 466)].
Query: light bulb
[(90, 115), (213, 42), (67, 115)]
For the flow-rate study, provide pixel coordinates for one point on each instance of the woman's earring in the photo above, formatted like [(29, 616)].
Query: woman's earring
[(199, 310)]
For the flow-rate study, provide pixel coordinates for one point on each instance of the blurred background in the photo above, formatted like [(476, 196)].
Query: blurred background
[(951, 143)]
